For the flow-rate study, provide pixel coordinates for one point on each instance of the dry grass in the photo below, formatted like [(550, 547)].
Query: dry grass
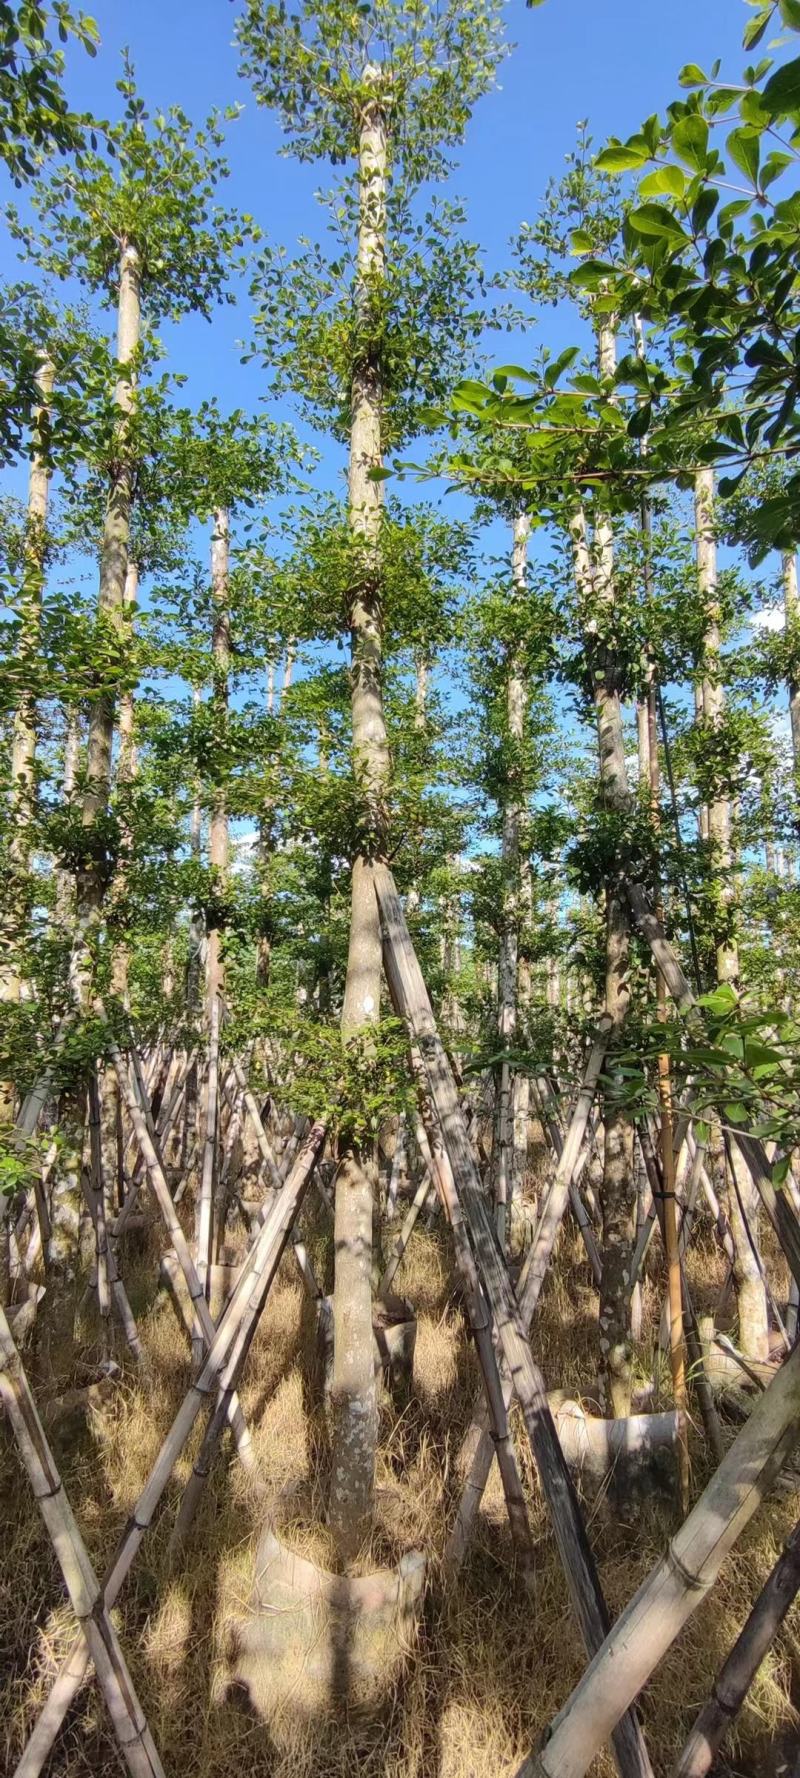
[(492, 1663)]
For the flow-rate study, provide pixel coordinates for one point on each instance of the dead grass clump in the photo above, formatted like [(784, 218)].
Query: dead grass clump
[(492, 1663)]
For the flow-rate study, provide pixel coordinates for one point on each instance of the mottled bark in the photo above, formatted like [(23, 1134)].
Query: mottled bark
[(738, 1196), (503, 1181), (594, 577), (218, 841), (353, 1394), (23, 742), (22, 799), (790, 612), (92, 875)]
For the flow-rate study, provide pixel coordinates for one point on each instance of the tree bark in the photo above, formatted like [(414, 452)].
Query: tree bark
[(353, 1392), (790, 612), (503, 1180), (92, 873), (22, 801), (738, 1195), (594, 576), (218, 845), (23, 743)]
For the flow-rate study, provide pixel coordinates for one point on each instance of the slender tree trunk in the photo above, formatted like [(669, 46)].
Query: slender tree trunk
[(218, 845), (790, 610), (65, 881), (126, 773), (23, 742), (353, 1394), (739, 1197), (508, 958), (93, 871), (594, 574)]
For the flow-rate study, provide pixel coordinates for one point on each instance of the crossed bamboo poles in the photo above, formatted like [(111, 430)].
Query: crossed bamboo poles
[(622, 1657)]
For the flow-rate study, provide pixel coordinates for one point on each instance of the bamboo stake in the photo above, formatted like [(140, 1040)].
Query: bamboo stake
[(677, 1584), (246, 1304), (205, 1202), (281, 1219), (481, 1325), (402, 1240), (130, 1724), (739, 1670), (478, 1448), (411, 1003), (778, 1205), (204, 1324)]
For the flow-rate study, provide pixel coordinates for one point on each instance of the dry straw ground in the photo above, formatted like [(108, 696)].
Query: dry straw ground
[(493, 1661)]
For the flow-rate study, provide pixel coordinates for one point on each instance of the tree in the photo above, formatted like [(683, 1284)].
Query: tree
[(389, 92)]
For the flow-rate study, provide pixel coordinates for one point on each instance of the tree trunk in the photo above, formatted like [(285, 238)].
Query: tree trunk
[(126, 773), (353, 1393), (508, 958), (218, 825), (737, 1188), (65, 881), (594, 575), (92, 873), (790, 611), (23, 744), (22, 801)]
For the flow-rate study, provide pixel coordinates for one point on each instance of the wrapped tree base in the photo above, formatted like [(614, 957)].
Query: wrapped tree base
[(315, 1642)]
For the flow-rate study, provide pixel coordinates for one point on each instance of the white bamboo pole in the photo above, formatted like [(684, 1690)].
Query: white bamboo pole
[(676, 1586), (86, 1597)]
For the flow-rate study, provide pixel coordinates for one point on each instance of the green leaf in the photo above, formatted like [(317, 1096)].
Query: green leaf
[(691, 75), (780, 1171), (639, 422), (755, 28), (782, 91), (720, 1001), (581, 241), (690, 141), (620, 158), (744, 148), (790, 13), (658, 221), (664, 182)]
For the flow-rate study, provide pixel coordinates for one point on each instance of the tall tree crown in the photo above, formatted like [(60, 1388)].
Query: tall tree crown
[(314, 63)]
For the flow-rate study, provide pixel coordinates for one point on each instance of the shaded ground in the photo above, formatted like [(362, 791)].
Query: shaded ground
[(492, 1662)]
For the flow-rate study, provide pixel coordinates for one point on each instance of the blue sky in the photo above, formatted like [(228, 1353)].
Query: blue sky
[(609, 61), (612, 61)]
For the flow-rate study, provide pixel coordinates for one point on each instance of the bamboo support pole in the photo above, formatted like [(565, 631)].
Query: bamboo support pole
[(477, 1451), (401, 1241), (677, 1584), (778, 1205), (281, 1219), (244, 1309), (739, 1670), (205, 1201), (204, 1324), (86, 1597), (411, 1003), (481, 1325)]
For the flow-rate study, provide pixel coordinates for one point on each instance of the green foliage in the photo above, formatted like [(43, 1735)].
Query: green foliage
[(308, 63), (35, 118), (151, 184)]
